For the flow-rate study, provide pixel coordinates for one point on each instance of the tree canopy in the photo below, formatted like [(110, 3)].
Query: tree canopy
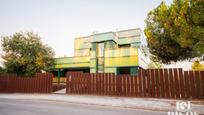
[(176, 32), (25, 54)]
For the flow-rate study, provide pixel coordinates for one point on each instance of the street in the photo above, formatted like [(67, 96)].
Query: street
[(41, 107)]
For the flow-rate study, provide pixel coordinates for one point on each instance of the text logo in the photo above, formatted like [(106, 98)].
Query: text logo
[(183, 108)]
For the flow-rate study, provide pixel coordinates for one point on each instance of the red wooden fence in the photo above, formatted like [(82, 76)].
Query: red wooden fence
[(156, 83), (41, 83)]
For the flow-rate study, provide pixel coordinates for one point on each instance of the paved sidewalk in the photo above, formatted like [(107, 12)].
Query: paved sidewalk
[(138, 103)]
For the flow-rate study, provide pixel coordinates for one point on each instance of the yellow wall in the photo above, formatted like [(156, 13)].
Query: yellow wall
[(121, 61), (119, 52), (72, 65)]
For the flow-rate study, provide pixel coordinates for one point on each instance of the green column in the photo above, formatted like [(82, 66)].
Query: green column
[(134, 70), (58, 75)]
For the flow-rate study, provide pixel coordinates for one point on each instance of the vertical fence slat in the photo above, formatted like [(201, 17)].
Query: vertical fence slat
[(192, 84), (102, 84), (144, 82), (171, 83), (132, 85), (202, 81), (137, 86), (167, 88), (128, 85), (162, 81), (114, 85), (148, 83), (187, 84), (140, 82), (157, 83), (120, 85), (197, 84), (182, 81), (153, 82), (176, 86)]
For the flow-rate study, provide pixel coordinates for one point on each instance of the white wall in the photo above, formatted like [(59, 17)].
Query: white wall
[(186, 65), (143, 60)]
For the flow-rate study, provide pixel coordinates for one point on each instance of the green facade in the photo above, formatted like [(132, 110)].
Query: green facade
[(110, 52)]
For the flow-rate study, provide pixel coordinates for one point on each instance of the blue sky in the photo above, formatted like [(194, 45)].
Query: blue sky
[(58, 22)]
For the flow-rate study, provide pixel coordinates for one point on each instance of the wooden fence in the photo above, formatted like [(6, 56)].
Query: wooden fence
[(153, 83), (61, 80), (41, 83)]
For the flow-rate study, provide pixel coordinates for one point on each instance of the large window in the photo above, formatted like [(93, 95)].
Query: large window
[(100, 49), (124, 46), (127, 70), (123, 70)]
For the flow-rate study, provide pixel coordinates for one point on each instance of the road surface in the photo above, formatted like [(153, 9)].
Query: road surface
[(41, 107)]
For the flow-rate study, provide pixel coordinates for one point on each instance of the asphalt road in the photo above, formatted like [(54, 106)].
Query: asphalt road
[(39, 107)]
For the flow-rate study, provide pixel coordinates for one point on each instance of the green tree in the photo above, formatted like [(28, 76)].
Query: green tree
[(176, 32), (197, 66), (154, 65), (25, 54), (2, 70)]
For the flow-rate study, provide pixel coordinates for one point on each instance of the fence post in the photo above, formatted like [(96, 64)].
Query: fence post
[(197, 84), (182, 80), (176, 86), (202, 81), (167, 84), (148, 82), (192, 80)]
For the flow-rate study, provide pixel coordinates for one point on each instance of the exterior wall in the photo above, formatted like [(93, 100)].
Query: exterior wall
[(121, 61), (121, 57), (82, 46)]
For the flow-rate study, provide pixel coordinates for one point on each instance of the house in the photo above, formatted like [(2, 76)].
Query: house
[(120, 52)]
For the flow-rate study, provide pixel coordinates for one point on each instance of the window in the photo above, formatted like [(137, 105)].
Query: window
[(123, 70), (100, 49), (124, 46)]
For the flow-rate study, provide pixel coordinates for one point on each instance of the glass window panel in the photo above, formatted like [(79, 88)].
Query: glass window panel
[(100, 49)]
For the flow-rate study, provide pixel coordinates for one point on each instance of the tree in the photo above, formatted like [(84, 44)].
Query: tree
[(25, 54), (2, 70), (176, 32), (154, 65), (197, 66)]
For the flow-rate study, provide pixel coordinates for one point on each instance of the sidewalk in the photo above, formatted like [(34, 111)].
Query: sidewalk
[(124, 102)]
